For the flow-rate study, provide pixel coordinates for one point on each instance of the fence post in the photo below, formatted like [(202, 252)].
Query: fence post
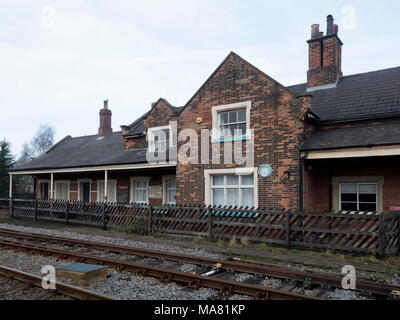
[(67, 213), (51, 208), (287, 229), (150, 211), (210, 224), (103, 211), (36, 211), (382, 244), (398, 233), (302, 226), (12, 207)]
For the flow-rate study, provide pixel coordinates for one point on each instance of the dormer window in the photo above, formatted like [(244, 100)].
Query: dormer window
[(159, 138), (231, 122)]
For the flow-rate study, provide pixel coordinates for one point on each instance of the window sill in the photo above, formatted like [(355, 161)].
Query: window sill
[(242, 138)]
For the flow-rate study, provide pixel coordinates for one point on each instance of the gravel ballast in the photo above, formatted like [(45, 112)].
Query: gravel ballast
[(129, 286), (118, 241), (119, 285)]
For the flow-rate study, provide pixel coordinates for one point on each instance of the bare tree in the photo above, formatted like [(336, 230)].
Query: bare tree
[(43, 140)]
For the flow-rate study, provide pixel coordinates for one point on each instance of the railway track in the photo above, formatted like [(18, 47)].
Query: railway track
[(27, 281), (225, 287), (325, 280)]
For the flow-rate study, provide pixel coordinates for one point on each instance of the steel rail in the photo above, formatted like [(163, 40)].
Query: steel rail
[(323, 279), (65, 289), (196, 281)]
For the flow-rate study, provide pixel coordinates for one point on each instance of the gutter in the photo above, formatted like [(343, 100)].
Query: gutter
[(349, 147), (144, 165), (362, 118)]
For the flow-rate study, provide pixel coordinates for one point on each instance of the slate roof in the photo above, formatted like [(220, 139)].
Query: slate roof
[(85, 152), (137, 127), (356, 97), (355, 136)]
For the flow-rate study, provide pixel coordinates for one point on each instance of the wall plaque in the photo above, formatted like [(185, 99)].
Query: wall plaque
[(265, 171), (155, 192)]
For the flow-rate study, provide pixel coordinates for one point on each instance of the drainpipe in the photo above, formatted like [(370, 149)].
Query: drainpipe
[(302, 158)]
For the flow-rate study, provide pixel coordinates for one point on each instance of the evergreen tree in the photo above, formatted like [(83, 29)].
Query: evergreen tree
[(6, 162)]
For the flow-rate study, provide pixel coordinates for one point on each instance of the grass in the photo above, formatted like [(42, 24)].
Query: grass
[(392, 263)]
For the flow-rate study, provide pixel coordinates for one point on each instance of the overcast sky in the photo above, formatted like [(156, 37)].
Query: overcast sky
[(60, 59)]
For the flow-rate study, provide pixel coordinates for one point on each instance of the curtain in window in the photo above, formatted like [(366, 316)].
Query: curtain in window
[(62, 191), (171, 191), (140, 191), (111, 191), (232, 190)]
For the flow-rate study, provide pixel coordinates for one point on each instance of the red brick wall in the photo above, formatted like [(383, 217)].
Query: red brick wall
[(160, 115), (277, 120), (329, 69), (318, 181)]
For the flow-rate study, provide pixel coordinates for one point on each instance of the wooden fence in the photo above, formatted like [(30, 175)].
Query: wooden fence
[(365, 233)]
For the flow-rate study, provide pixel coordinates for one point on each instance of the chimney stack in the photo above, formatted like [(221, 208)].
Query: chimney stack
[(105, 120), (325, 56)]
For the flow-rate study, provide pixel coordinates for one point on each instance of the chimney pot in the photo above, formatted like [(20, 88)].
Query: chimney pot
[(336, 27), (330, 28), (314, 31), (105, 104), (321, 34)]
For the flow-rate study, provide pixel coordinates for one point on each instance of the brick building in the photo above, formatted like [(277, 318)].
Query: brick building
[(332, 142)]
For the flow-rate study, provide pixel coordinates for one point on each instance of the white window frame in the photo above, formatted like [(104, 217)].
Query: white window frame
[(336, 181), (165, 180), (358, 194), (216, 110), (150, 136), (208, 173), (61, 182), (41, 181), (100, 197), (79, 188), (133, 181)]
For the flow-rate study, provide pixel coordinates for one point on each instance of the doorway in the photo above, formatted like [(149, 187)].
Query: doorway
[(44, 191), (85, 192)]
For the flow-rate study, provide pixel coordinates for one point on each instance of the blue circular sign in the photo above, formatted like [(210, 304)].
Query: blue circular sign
[(265, 171)]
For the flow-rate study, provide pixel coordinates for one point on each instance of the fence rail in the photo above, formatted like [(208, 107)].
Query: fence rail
[(365, 233)]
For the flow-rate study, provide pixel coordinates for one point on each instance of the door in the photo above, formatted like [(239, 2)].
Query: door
[(86, 192), (44, 191)]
